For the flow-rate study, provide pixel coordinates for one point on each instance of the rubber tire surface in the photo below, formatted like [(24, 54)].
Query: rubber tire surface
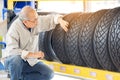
[(86, 39), (71, 40), (101, 39), (114, 41), (12, 20), (48, 47), (10, 17), (41, 46), (58, 43), (45, 45)]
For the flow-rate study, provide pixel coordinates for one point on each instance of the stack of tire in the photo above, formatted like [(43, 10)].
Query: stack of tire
[(93, 40)]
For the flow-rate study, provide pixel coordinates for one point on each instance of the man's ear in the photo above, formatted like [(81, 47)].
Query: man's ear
[(24, 21)]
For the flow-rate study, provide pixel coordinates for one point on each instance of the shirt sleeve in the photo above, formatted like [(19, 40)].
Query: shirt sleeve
[(56, 18), (24, 54), (12, 42), (48, 22)]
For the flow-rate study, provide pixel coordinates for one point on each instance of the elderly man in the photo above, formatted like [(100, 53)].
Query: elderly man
[(22, 43)]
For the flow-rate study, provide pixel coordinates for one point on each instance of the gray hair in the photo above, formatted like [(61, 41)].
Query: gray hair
[(23, 15)]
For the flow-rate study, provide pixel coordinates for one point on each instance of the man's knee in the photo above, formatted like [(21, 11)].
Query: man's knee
[(14, 60), (50, 75)]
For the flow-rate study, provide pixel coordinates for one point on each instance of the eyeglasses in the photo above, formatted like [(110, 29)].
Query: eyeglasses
[(33, 21)]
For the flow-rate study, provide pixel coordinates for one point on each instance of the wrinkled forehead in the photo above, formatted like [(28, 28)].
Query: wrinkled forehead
[(33, 15)]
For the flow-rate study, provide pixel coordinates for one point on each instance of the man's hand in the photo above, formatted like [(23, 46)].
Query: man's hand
[(39, 55), (64, 24)]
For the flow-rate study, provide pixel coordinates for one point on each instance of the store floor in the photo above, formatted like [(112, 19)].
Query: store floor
[(58, 76), (61, 76)]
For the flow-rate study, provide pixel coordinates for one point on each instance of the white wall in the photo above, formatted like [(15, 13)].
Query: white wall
[(1, 7), (3, 28), (60, 6), (3, 23)]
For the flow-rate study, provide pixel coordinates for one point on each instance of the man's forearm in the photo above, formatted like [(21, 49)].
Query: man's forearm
[(30, 54), (64, 24), (39, 54), (60, 19)]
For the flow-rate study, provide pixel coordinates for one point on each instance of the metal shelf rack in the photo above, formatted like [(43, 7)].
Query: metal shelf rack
[(93, 74)]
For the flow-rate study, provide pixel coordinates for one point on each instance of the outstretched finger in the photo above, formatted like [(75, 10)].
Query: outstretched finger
[(66, 29)]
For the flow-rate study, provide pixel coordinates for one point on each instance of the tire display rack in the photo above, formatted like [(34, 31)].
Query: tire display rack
[(93, 74), (87, 72), (94, 46)]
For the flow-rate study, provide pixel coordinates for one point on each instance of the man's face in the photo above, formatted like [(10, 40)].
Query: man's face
[(32, 21)]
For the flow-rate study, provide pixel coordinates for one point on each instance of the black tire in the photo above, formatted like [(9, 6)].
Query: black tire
[(71, 40), (58, 44), (41, 46), (101, 40), (114, 41), (86, 39), (10, 16), (45, 45), (58, 40), (48, 47), (12, 20)]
